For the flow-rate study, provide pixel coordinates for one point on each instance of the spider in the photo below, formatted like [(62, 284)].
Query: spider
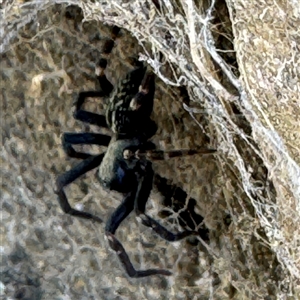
[(125, 166)]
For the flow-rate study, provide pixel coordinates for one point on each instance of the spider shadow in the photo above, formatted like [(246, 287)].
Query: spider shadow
[(177, 200)]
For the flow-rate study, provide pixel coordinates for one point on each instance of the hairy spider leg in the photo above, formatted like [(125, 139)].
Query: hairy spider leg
[(90, 162), (155, 155), (115, 245), (86, 116), (143, 192), (137, 200), (143, 101), (105, 87), (70, 176), (87, 138), (103, 83), (109, 43), (122, 211)]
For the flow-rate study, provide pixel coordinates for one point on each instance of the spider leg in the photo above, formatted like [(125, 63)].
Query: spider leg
[(86, 116), (105, 89), (104, 84), (143, 101), (112, 224), (63, 180), (69, 139), (153, 154), (142, 195)]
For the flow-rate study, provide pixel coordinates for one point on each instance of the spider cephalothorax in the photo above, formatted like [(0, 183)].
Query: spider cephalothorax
[(125, 166)]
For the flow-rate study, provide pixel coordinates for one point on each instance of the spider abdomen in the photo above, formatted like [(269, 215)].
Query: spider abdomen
[(131, 104), (119, 113)]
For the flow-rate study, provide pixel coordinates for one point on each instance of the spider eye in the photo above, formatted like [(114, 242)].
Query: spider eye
[(127, 154)]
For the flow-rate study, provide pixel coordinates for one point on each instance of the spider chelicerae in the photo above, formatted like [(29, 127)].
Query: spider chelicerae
[(125, 166)]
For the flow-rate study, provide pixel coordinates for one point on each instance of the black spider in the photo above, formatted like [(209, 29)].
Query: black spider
[(125, 166)]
